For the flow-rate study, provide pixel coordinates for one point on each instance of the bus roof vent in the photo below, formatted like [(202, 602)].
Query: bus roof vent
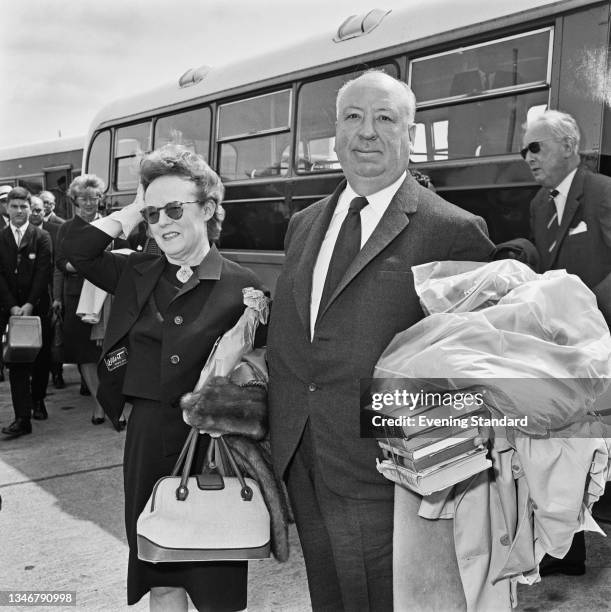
[(194, 76), (358, 25)]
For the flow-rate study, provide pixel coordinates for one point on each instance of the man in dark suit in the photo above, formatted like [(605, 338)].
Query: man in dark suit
[(570, 222), (338, 303), (4, 221), (52, 228), (25, 269), (4, 191)]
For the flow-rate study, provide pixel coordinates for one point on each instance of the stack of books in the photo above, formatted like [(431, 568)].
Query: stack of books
[(435, 451)]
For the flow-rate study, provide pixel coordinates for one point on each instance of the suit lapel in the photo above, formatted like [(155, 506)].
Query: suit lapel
[(394, 220), (26, 238), (573, 201), (146, 274), (302, 285)]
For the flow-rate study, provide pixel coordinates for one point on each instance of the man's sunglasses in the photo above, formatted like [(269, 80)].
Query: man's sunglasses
[(173, 210), (533, 147)]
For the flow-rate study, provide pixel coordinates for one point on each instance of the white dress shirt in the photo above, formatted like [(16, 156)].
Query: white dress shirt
[(563, 192), (21, 229), (370, 217)]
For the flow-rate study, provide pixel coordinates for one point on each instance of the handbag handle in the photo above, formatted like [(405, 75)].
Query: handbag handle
[(217, 445)]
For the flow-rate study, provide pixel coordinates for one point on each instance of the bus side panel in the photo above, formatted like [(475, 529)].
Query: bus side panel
[(605, 148), (581, 86)]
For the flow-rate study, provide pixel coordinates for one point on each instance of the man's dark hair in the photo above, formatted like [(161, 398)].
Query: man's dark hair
[(18, 193)]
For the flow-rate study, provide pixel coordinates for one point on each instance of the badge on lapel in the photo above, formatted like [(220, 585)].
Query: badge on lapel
[(115, 359), (32, 255)]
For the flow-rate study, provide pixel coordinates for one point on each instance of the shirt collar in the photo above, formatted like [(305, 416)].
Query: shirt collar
[(565, 185), (211, 265), (22, 228), (378, 200)]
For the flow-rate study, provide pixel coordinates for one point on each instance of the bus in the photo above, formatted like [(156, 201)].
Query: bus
[(49, 166), (478, 69)]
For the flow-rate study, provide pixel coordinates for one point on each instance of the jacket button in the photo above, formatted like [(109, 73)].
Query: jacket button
[(174, 359), (312, 387), (178, 320), (505, 541)]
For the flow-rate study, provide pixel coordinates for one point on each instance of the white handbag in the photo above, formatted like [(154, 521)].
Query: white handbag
[(207, 517)]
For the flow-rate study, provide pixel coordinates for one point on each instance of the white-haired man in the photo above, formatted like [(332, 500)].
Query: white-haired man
[(570, 220), (48, 202)]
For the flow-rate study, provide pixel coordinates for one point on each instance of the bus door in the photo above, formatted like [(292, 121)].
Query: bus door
[(57, 181)]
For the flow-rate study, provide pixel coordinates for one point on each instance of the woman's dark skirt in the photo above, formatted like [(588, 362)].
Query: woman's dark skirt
[(155, 435), (78, 346)]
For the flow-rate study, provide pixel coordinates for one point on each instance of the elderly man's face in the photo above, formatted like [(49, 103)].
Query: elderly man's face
[(372, 132), (49, 204), (18, 211), (552, 163), (37, 210)]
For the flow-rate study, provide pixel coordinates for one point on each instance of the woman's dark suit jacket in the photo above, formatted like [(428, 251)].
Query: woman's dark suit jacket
[(203, 309)]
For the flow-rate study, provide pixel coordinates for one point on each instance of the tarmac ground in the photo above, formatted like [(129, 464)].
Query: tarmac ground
[(61, 523)]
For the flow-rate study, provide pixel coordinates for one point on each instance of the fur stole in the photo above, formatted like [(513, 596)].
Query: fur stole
[(222, 407)]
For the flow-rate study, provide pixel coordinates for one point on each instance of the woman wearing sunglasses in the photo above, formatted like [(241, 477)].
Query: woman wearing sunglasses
[(168, 311)]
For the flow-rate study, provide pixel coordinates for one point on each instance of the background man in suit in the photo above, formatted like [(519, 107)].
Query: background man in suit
[(345, 290), (25, 271), (4, 191), (570, 221), (38, 219), (4, 221), (48, 201)]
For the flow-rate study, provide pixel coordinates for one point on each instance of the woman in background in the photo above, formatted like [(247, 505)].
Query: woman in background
[(86, 192)]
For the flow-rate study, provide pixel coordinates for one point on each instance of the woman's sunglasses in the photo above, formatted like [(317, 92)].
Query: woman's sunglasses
[(173, 210)]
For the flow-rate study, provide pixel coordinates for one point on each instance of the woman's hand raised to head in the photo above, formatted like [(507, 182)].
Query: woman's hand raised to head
[(123, 221)]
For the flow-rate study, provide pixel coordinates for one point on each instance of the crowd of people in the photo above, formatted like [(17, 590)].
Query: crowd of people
[(345, 290)]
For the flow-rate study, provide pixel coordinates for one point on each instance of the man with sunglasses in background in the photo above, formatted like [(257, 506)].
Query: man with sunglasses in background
[(570, 222)]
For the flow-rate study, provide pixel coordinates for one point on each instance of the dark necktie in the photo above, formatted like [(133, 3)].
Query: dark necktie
[(552, 221), (346, 248)]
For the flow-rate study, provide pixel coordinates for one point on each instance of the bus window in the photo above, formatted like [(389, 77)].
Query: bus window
[(253, 134), (255, 226), (32, 183), (253, 158), (473, 101), (316, 122), (190, 129), (99, 157), (129, 142)]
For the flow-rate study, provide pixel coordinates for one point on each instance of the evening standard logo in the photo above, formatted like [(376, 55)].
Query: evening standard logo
[(425, 422)]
